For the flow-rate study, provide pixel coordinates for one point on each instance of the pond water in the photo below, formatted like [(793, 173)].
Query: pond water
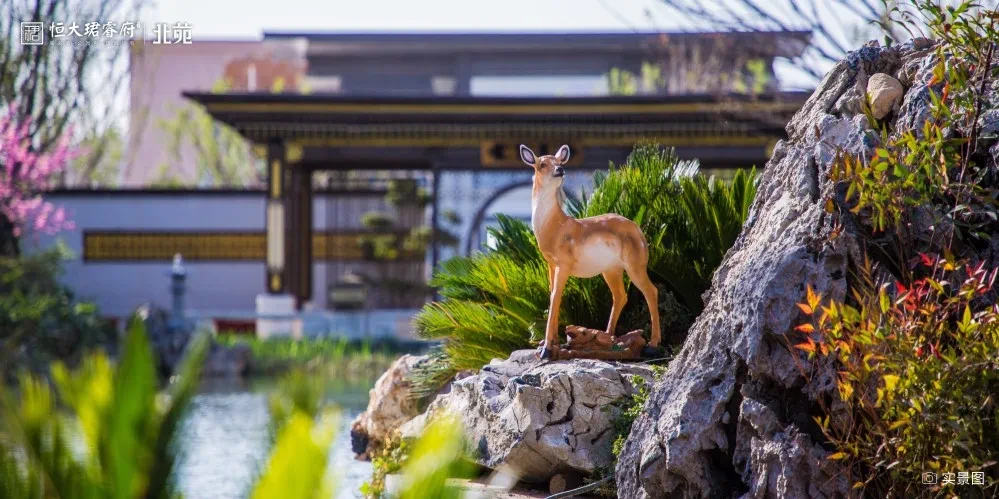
[(224, 439)]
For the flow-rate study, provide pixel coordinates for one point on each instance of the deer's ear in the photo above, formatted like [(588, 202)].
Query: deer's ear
[(527, 156), (563, 154)]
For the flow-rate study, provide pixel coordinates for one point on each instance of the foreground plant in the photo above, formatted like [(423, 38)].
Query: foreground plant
[(297, 465), (424, 466), (918, 378), (126, 426), (128, 429)]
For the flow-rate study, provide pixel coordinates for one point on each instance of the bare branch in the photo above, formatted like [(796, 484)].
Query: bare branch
[(824, 19), (57, 87)]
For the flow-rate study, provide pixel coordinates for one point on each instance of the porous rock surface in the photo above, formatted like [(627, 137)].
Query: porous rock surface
[(536, 419), (733, 416), (390, 404)]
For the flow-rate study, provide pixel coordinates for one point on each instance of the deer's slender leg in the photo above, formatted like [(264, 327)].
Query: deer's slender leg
[(551, 287), (551, 331), (615, 281), (640, 277)]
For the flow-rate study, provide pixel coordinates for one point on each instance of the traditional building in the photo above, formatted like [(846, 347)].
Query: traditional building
[(408, 101), (449, 111)]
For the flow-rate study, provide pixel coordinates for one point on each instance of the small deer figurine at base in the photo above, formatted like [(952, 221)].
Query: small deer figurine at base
[(609, 245)]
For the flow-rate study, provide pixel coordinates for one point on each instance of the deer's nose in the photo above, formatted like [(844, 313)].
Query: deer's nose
[(559, 171)]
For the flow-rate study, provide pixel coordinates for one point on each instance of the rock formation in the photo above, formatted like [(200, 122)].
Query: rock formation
[(884, 93), (539, 418), (733, 416), (390, 404)]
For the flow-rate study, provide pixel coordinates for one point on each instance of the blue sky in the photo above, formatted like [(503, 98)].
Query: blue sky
[(248, 18)]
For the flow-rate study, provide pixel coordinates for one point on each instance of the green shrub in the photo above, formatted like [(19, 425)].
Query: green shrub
[(340, 357), (918, 379), (690, 220), (496, 302), (387, 461), (918, 358), (40, 319)]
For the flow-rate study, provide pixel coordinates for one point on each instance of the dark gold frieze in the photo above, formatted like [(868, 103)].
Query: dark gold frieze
[(517, 109), (118, 246), (681, 135)]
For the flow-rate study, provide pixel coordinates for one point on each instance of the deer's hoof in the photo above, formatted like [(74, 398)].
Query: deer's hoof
[(650, 352), (545, 353)]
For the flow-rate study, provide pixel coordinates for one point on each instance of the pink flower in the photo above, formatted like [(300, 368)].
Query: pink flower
[(25, 174)]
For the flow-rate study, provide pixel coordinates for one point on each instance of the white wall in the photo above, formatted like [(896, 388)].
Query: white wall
[(231, 287), (119, 287)]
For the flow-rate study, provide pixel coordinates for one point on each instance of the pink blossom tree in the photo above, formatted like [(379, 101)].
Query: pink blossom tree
[(24, 175)]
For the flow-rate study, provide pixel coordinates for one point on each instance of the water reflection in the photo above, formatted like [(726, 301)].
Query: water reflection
[(224, 438)]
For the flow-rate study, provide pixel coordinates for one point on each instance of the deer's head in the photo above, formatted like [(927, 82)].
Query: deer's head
[(548, 170)]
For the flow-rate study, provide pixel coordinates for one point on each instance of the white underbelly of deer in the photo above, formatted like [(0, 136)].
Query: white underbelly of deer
[(596, 257)]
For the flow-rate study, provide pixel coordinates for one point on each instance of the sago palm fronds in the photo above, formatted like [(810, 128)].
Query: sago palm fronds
[(515, 240), (709, 214)]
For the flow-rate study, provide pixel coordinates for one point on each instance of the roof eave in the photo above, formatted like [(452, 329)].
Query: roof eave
[(788, 44)]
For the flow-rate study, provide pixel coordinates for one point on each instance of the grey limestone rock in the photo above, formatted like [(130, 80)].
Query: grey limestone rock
[(732, 417), (537, 419)]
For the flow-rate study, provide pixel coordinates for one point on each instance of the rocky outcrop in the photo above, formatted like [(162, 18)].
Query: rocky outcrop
[(733, 415), (390, 404), (536, 418)]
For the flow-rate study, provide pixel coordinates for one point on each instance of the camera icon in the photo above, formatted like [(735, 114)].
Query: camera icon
[(929, 478)]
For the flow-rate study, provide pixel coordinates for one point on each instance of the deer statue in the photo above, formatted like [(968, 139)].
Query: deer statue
[(609, 245)]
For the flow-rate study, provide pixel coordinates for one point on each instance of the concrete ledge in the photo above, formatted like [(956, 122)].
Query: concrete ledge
[(268, 304)]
